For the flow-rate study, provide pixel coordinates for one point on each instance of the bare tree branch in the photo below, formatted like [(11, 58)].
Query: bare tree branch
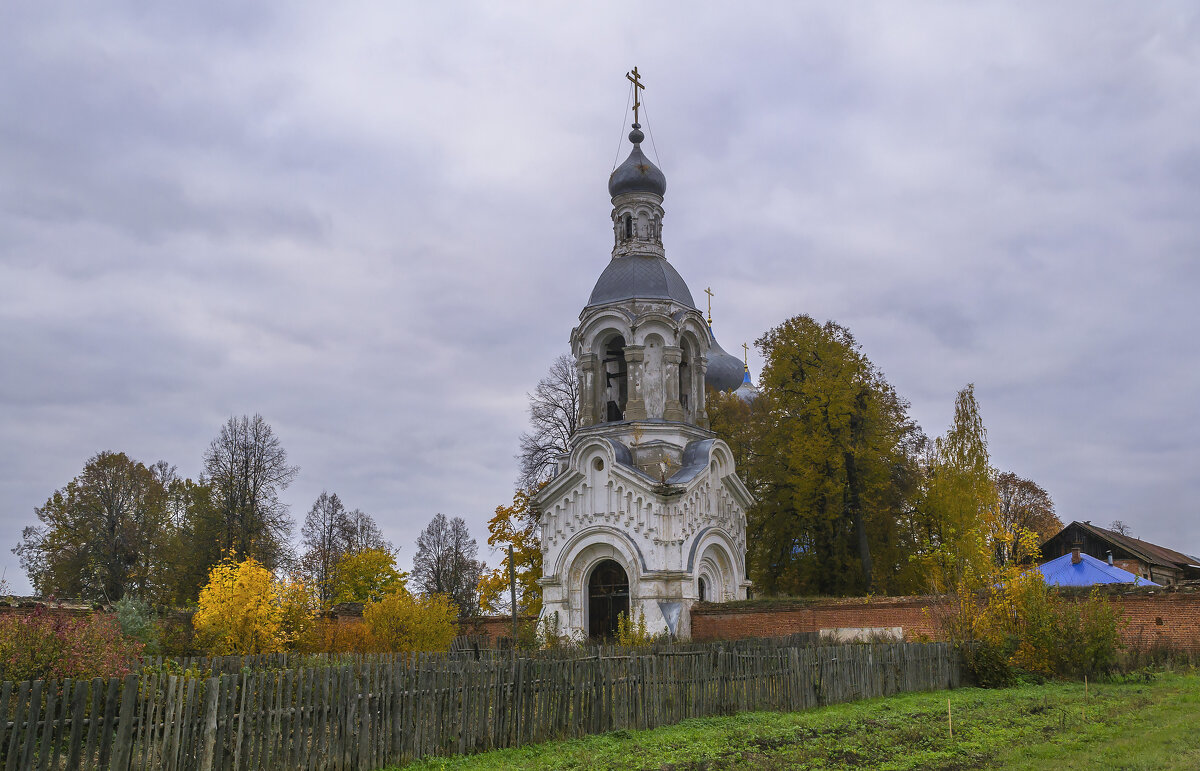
[(553, 420), (248, 469)]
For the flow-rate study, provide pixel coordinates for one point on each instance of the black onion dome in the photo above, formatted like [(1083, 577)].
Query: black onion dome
[(637, 174), (725, 371), (639, 277)]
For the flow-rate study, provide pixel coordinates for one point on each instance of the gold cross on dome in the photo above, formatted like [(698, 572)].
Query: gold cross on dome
[(708, 291), (636, 80), (746, 356)]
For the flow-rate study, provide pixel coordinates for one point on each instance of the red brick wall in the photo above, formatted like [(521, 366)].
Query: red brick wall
[(914, 614), (1160, 618), (1163, 618), (494, 627)]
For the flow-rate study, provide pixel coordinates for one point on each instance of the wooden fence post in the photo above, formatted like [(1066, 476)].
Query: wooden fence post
[(124, 748), (210, 723)]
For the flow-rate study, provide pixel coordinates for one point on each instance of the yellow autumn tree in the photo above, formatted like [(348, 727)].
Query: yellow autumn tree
[(244, 610), (367, 576), (956, 518), (402, 622), (1011, 621), (517, 526)]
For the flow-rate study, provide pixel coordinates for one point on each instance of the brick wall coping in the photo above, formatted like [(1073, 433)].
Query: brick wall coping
[(810, 603)]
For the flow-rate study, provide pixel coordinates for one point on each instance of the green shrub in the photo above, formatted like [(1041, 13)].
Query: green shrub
[(987, 662), (1018, 626), (137, 622)]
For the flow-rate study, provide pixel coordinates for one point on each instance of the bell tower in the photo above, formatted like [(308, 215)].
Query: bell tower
[(647, 491)]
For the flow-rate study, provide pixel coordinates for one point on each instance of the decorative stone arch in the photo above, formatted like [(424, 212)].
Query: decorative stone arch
[(598, 324), (585, 455), (721, 460), (693, 342), (693, 327), (712, 557), (581, 555), (618, 541), (655, 323)]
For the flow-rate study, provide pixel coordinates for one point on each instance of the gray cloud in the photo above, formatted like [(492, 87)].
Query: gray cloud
[(377, 225)]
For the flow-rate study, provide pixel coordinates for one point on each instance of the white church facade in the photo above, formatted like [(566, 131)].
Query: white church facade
[(646, 514)]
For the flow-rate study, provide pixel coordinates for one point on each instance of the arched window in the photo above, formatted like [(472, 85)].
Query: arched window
[(628, 226), (685, 377), (703, 590)]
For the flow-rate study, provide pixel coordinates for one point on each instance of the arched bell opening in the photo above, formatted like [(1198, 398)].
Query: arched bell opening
[(616, 380), (702, 590), (685, 379), (608, 597)]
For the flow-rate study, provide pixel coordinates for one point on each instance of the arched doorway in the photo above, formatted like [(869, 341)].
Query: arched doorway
[(608, 596)]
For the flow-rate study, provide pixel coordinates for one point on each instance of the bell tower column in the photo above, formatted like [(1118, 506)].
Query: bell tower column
[(672, 356), (635, 358), (587, 389), (701, 413)]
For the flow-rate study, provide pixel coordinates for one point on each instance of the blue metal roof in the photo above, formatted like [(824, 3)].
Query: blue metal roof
[(1089, 571)]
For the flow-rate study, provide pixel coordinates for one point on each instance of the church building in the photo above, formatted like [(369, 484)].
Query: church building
[(646, 514)]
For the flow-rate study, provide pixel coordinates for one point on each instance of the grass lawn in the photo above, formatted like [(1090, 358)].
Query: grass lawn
[(1128, 725)]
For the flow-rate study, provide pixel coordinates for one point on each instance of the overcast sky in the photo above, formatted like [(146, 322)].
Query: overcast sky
[(375, 224)]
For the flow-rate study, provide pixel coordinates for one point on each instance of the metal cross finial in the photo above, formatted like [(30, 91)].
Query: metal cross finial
[(746, 356), (636, 80), (709, 292)]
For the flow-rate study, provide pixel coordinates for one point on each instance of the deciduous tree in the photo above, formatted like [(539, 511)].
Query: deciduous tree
[(330, 536), (244, 610), (324, 538), (196, 537), (1021, 505), (553, 416), (517, 526), (446, 562), (367, 576), (247, 468), (955, 523), (104, 534), (828, 451)]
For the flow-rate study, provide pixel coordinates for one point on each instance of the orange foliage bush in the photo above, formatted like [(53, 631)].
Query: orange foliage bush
[(337, 636)]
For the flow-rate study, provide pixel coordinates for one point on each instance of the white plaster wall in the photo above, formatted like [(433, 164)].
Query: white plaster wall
[(664, 545)]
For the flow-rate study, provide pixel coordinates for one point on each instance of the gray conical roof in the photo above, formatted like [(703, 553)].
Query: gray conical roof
[(640, 277), (637, 174)]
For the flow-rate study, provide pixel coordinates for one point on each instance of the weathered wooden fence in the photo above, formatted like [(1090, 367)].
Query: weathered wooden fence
[(377, 711)]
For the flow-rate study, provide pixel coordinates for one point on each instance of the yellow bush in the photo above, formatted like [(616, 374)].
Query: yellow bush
[(244, 610), (402, 622), (337, 636), (367, 576), (1017, 623)]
